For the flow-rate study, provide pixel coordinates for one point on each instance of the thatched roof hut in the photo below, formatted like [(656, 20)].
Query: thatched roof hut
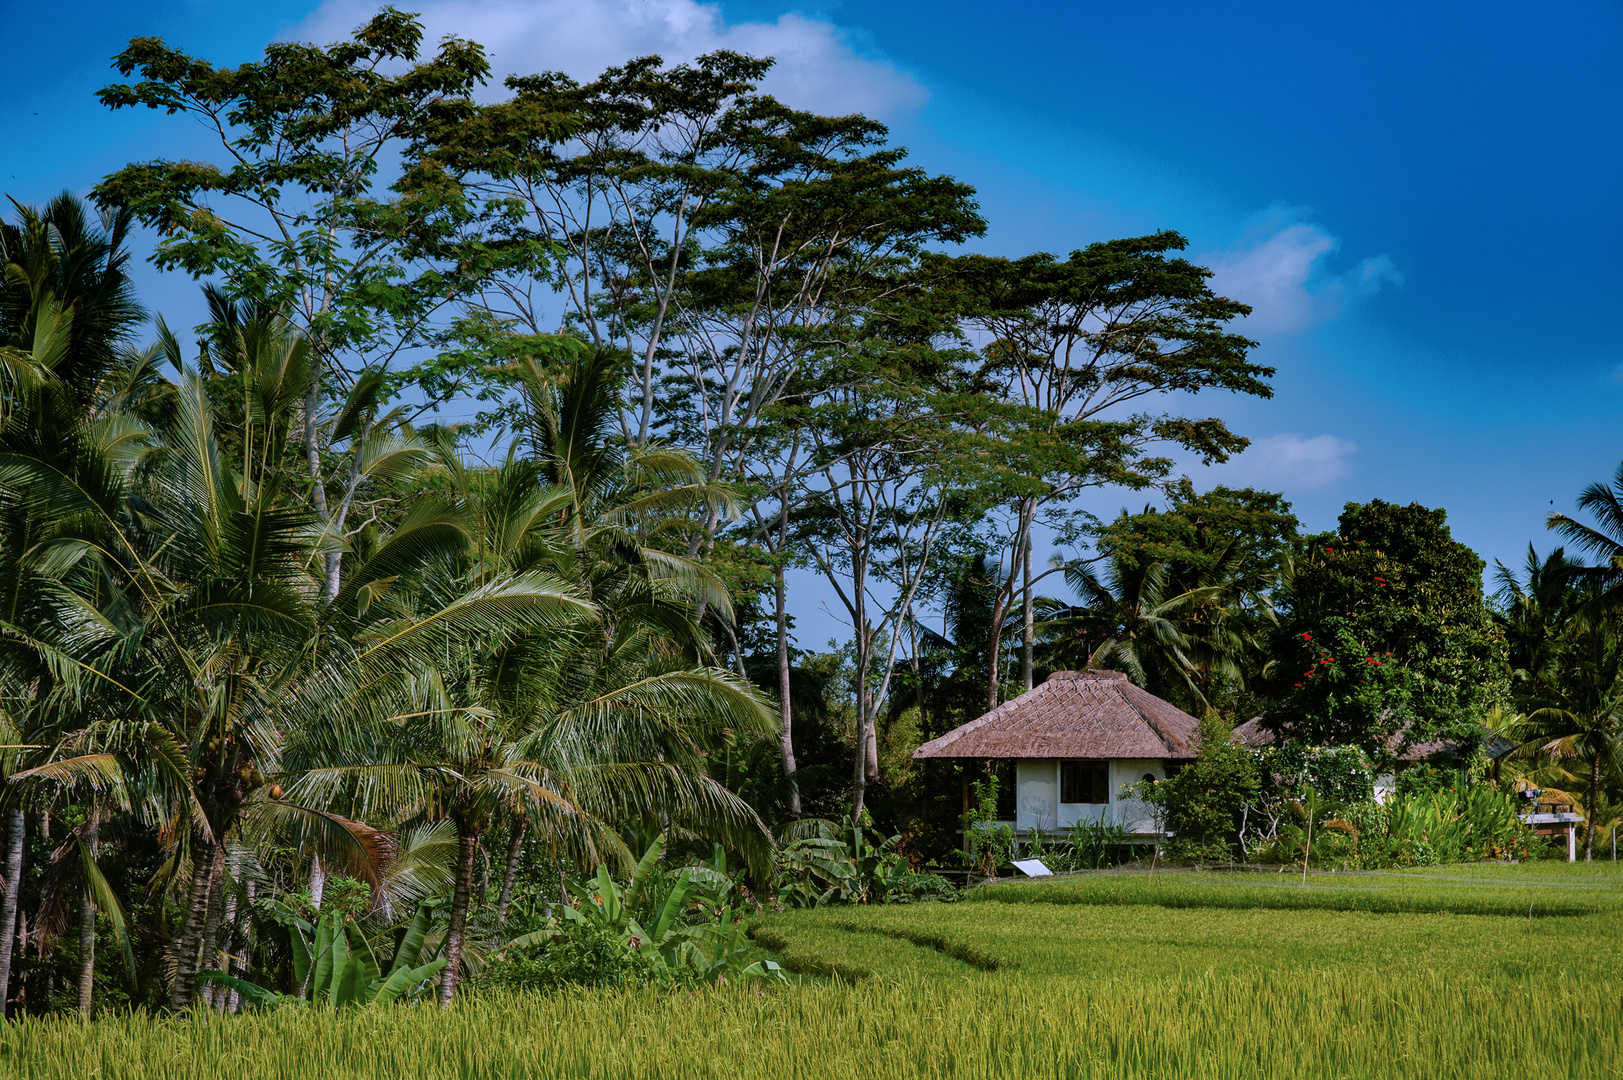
[(1075, 714), (1075, 741)]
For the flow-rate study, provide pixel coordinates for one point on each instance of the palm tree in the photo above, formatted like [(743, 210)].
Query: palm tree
[(1576, 710), (66, 307), (568, 727), (1137, 620), (1536, 612), (57, 258), (1604, 539), (1565, 642)]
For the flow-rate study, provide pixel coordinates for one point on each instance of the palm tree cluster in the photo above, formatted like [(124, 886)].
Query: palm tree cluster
[(1563, 622), (516, 648)]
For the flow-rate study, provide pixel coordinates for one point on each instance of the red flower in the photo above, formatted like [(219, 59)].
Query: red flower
[(1307, 637)]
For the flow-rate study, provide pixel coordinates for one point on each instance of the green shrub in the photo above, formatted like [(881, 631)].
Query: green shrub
[(581, 954), (1205, 802), (1192, 853), (918, 888)]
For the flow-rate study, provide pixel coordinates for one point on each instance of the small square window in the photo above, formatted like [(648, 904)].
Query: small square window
[(1084, 782)]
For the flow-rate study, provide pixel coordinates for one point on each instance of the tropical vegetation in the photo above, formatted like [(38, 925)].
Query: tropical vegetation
[(312, 697)]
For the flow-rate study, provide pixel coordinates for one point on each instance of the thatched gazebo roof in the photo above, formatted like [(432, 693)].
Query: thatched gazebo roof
[(1075, 714)]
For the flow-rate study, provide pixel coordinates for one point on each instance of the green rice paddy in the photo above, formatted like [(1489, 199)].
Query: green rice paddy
[(1103, 975)]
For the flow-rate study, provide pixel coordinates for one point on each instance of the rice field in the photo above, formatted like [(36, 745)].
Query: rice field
[(1038, 980), (1534, 890)]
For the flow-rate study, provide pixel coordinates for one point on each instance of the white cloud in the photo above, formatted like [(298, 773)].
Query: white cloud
[(816, 66), (1287, 463), (1279, 269)]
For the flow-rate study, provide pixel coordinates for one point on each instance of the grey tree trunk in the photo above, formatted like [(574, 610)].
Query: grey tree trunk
[(188, 942), (87, 924), (1003, 600), (330, 563), (8, 910), (1594, 807), (1028, 627), (219, 998), (318, 881), (786, 740), (515, 851), (215, 912), (240, 943), (859, 789), (467, 844)]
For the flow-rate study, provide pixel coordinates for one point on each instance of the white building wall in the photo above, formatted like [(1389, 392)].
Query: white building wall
[(1037, 804)]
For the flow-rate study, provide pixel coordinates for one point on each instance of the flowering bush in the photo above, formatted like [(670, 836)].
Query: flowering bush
[(1383, 634)]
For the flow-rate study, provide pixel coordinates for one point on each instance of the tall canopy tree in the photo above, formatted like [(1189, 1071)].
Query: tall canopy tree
[(295, 215), (1069, 347), (722, 240), (894, 457)]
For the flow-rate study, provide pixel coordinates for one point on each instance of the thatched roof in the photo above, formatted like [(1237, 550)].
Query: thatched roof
[(1252, 733), (1075, 714)]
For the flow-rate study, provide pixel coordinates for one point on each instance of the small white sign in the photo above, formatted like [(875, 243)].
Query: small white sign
[(1032, 868)]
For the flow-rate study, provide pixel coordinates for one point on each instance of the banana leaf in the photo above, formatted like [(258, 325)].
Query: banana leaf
[(402, 979)]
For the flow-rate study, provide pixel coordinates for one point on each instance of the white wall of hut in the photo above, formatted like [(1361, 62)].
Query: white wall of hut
[(1037, 797)]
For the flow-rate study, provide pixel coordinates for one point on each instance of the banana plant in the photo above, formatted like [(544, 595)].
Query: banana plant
[(337, 966), (838, 867), (649, 917)]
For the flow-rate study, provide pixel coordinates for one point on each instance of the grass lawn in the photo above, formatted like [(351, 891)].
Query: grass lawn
[(1106, 975)]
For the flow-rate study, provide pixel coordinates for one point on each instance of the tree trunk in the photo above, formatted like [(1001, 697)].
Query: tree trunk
[(241, 944), (318, 881), (1594, 807), (219, 998), (859, 624), (8, 911), (1028, 626), (515, 851), (87, 924), (330, 563), (215, 913), (994, 649), (188, 942), (786, 741), (467, 844), (1002, 599), (864, 720)]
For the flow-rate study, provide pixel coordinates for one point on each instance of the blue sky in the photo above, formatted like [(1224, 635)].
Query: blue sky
[(1420, 200)]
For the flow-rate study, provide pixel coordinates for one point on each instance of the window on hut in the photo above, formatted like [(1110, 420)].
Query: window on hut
[(1084, 782)]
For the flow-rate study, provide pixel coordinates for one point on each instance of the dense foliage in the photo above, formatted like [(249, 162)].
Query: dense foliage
[(1384, 639)]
